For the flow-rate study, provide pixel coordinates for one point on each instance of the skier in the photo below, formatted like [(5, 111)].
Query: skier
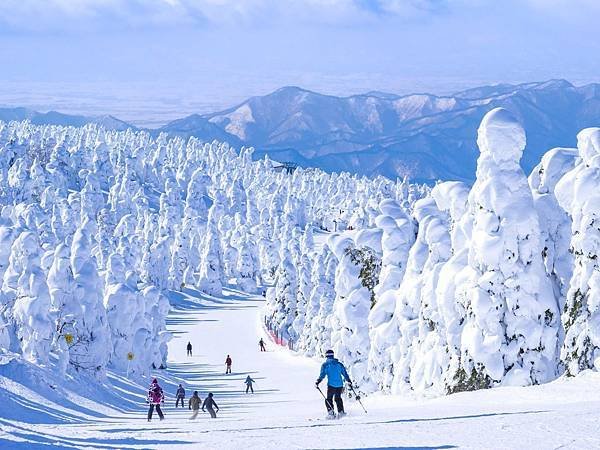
[(189, 349), (209, 402), (180, 395), (336, 374), (261, 344), (194, 405), (249, 382), (228, 365), (156, 396)]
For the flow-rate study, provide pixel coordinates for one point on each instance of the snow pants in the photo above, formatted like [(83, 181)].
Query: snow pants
[(249, 386), (177, 402), (228, 370), (158, 411), (195, 413), (189, 352), (212, 413), (334, 393), (262, 348)]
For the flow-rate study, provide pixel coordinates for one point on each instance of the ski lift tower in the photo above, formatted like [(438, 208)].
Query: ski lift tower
[(286, 166)]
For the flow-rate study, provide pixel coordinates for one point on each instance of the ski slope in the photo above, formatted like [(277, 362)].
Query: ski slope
[(286, 411)]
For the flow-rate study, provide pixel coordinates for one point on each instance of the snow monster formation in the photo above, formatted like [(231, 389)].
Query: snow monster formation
[(511, 317), (578, 192), (417, 289)]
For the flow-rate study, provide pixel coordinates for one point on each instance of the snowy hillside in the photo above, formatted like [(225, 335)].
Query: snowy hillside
[(40, 411), (116, 248)]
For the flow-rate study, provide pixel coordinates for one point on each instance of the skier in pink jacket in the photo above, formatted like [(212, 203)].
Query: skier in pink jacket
[(156, 396)]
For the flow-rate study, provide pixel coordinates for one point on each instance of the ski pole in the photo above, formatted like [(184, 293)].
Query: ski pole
[(357, 398), (327, 402)]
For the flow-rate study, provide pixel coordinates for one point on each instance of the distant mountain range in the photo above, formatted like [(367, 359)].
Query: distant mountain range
[(57, 118), (426, 137)]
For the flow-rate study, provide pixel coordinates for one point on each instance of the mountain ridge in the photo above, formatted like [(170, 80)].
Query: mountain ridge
[(423, 136)]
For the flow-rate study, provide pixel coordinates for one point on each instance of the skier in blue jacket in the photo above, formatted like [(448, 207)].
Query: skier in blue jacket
[(336, 374)]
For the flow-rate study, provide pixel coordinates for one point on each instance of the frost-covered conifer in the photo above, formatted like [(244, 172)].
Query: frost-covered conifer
[(396, 241), (420, 354), (555, 223), (281, 299), (92, 338), (210, 271), (510, 330), (67, 311), (577, 192), (304, 287), (308, 339), (31, 308), (124, 310), (246, 269), (355, 279)]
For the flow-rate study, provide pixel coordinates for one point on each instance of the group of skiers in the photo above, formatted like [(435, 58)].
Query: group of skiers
[(332, 369), (156, 398)]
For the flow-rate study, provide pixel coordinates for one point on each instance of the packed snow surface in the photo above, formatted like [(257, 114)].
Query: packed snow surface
[(286, 411)]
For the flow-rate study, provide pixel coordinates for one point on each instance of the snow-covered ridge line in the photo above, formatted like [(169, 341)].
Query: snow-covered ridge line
[(498, 286), (96, 225)]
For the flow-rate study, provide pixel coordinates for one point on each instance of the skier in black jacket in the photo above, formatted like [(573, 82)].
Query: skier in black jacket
[(209, 402), (180, 396)]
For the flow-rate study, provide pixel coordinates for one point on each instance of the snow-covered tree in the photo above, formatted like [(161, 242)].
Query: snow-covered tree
[(577, 192), (355, 280), (67, 311), (281, 299), (31, 309), (510, 329), (396, 241), (246, 268), (303, 297), (90, 350), (555, 223), (211, 267)]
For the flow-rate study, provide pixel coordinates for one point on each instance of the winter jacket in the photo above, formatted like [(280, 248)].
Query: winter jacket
[(155, 394), (194, 402), (249, 381), (209, 403), (335, 373), (180, 392), (228, 361)]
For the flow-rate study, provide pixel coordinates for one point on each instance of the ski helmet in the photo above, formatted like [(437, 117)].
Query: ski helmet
[(329, 354)]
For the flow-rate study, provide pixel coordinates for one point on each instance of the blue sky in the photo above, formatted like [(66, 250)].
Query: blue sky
[(206, 53)]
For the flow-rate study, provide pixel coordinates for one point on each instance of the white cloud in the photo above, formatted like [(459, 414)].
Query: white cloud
[(56, 15), (64, 16)]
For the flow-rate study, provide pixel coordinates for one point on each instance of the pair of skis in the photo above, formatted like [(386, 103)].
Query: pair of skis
[(356, 396)]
